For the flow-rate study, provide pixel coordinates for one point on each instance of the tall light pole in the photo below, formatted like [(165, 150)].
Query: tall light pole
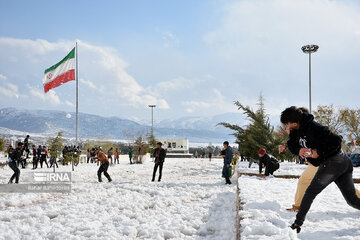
[(152, 119), (308, 49)]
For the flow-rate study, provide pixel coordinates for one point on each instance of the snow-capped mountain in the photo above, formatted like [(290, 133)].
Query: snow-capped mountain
[(48, 123)]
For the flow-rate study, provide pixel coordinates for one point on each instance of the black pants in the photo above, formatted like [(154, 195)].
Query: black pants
[(103, 168), (23, 163), (272, 168), (53, 161), (16, 170), (35, 162), (43, 159), (225, 172), (336, 169), (160, 165)]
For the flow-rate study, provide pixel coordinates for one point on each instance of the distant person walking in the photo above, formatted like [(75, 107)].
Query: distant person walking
[(35, 157), (43, 156), (15, 156), (26, 146), (38, 152), (228, 156), (210, 155), (101, 157), (159, 155), (9, 150), (110, 153), (87, 155), (116, 156), (130, 155)]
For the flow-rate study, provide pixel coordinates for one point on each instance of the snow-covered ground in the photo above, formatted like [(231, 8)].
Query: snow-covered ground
[(264, 210), (191, 202), (286, 168)]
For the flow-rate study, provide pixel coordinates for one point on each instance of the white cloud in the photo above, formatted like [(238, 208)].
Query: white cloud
[(169, 39), (50, 96), (13, 87), (259, 41), (177, 84), (9, 93), (117, 82), (215, 102), (88, 83), (284, 23), (9, 89), (2, 77), (68, 103), (101, 66)]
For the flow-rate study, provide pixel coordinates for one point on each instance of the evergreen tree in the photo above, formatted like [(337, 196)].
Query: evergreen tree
[(2, 144), (257, 134), (56, 145), (151, 144)]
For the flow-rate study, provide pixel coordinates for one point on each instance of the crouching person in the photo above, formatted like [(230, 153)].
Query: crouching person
[(100, 156), (270, 163)]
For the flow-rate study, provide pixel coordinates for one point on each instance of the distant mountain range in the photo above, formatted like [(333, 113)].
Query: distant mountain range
[(48, 123)]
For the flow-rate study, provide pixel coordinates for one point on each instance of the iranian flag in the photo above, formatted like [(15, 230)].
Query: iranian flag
[(60, 73)]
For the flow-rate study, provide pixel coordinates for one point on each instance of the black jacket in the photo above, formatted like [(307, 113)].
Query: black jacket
[(268, 162), (315, 136), (16, 154), (162, 155), (228, 155)]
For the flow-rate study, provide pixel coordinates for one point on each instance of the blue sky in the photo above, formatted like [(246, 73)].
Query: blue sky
[(190, 58)]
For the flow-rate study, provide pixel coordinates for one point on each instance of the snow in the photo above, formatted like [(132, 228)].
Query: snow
[(191, 202), (264, 209), (286, 168)]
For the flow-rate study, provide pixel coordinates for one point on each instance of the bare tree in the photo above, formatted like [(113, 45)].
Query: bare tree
[(331, 117), (352, 123)]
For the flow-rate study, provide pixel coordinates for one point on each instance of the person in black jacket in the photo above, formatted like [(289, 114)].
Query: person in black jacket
[(268, 162), (321, 147), (228, 156), (159, 155), (16, 155)]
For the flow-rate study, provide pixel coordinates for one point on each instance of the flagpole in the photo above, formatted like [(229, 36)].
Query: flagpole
[(77, 98)]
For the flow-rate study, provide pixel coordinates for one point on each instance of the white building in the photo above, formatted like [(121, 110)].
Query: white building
[(175, 145)]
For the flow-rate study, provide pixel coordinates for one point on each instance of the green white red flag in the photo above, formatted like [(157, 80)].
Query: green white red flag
[(60, 73)]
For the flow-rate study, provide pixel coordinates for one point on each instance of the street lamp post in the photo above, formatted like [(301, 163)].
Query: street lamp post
[(308, 49), (152, 119)]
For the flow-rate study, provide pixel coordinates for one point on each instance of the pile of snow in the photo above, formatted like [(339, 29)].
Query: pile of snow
[(265, 217), (191, 202)]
